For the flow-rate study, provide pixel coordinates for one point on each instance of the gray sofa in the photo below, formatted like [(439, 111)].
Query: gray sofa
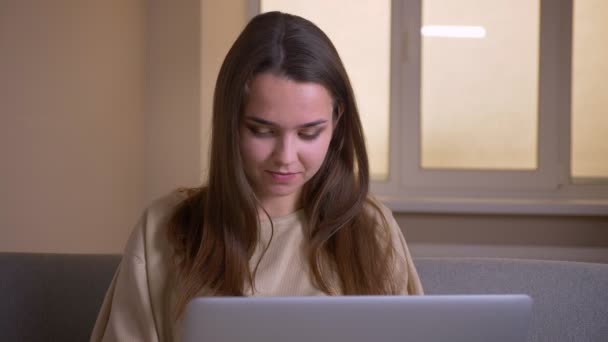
[(55, 297)]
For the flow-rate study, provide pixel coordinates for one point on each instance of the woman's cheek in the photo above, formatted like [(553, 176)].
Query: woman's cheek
[(257, 150), (314, 154)]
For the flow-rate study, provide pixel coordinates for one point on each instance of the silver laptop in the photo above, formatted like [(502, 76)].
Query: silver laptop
[(470, 318)]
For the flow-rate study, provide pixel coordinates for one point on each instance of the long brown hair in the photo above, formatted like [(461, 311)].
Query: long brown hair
[(214, 231)]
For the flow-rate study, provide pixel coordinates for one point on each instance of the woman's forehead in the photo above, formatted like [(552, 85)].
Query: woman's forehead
[(285, 102)]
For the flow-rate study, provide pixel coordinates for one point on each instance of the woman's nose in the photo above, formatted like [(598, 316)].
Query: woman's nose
[(285, 151)]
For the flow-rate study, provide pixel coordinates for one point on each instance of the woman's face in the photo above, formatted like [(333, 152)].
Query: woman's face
[(284, 135)]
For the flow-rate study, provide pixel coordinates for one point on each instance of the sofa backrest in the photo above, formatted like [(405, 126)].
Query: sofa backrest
[(52, 297), (56, 297), (570, 298)]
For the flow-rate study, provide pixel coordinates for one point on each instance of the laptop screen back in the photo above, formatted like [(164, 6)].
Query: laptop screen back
[(470, 318)]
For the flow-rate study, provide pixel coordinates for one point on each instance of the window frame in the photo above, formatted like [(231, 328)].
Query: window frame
[(548, 190)]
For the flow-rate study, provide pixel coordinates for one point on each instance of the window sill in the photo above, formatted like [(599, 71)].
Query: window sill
[(438, 205)]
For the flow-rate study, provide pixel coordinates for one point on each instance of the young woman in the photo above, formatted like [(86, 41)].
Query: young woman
[(286, 211)]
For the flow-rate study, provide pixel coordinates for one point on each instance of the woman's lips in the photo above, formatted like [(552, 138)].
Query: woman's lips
[(282, 176)]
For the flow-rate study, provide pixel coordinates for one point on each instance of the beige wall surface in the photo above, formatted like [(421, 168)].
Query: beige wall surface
[(100, 111), (222, 21), (71, 124), (172, 96), (576, 238)]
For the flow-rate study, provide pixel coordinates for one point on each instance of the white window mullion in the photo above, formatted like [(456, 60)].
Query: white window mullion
[(390, 187), (555, 90), (409, 70)]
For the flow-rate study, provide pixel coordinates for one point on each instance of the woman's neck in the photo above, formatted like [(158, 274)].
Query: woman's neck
[(280, 206)]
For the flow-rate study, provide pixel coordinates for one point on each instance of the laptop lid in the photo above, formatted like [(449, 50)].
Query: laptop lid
[(453, 318)]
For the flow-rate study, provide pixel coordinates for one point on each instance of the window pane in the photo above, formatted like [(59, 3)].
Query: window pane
[(360, 30), (589, 94), (479, 84)]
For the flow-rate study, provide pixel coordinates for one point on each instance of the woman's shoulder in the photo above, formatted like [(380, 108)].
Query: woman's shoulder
[(382, 216), (374, 207), (162, 207), (149, 235)]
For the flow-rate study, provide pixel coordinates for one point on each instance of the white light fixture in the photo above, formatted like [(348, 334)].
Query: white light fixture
[(453, 31)]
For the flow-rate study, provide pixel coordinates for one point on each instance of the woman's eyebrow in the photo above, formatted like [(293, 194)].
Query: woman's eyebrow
[(270, 123)]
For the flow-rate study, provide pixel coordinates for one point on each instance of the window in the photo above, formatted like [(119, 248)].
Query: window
[(495, 106), (478, 91)]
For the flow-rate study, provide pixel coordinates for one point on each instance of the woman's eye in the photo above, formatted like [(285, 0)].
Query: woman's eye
[(309, 135), (261, 131)]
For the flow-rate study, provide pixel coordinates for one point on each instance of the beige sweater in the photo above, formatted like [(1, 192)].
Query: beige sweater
[(138, 305)]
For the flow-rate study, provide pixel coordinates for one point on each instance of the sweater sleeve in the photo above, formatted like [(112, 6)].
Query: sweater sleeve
[(126, 313)]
